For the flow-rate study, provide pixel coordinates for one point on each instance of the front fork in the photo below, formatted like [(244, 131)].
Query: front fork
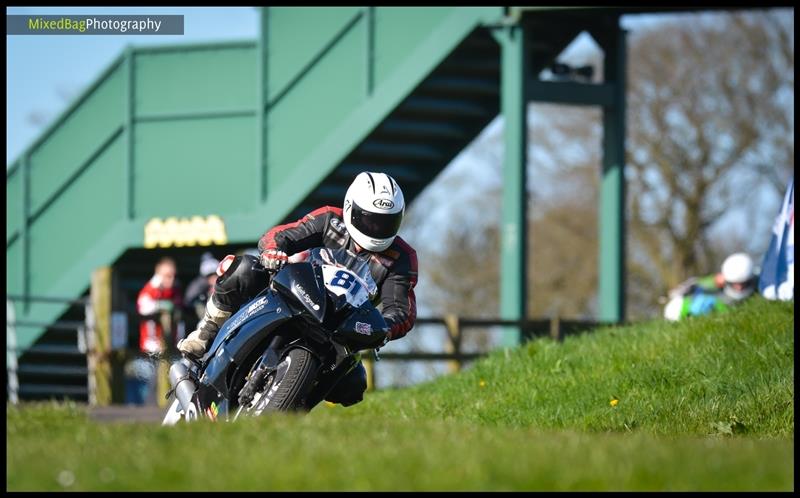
[(267, 363)]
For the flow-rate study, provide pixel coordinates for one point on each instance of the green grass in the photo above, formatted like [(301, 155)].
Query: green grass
[(669, 378), (707, 404)]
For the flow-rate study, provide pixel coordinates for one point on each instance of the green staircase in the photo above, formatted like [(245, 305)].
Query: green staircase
[(256, 133), (437, 120)]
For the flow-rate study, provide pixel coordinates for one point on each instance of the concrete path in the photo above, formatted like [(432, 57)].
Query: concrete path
[(127, 413)]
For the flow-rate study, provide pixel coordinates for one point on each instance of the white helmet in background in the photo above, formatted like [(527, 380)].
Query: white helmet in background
[(738, 271), (208, 264), (672, 311), (373, 210)]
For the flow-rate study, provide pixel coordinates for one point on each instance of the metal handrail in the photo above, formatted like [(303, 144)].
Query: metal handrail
[(84, 330), (49, 299), (60, 325)]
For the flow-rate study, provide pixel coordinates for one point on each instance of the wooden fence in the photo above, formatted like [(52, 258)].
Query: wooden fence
[(452, 353)]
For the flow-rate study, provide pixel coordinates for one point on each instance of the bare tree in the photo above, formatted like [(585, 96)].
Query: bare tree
[(562, 249), (708, 128), (710, 135)]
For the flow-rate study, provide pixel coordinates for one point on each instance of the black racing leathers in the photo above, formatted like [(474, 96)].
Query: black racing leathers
[(394, 270)]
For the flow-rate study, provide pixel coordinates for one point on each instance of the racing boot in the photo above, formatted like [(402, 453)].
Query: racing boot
[(196, 344)]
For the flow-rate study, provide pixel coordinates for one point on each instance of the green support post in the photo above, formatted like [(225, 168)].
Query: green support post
[(369, 19), (130, 83), (261, 104), (25, 237), (513, 253), (612, 187)]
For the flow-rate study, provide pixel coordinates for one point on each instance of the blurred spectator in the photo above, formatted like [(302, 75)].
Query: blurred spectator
[(158, 305), (155, 304), (777, 274), (140, 375), (735, 282), (199, 290)]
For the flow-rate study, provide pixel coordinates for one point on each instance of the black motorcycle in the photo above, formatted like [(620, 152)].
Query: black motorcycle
[(286, 348)]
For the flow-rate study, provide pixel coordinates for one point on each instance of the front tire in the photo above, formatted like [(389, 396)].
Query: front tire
[(290, 384)]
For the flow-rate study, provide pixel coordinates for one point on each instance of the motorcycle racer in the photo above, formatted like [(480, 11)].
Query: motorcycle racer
[(365, 226)]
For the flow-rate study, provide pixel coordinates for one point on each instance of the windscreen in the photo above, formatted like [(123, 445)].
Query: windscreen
[(345, 274)]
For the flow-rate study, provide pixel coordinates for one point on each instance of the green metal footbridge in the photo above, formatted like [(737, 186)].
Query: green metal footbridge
[(189, 147)]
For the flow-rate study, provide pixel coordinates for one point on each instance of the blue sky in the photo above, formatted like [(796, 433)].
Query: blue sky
[(45, 73)]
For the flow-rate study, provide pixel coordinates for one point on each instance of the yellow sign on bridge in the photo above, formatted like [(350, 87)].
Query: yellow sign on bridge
[(185, 232)]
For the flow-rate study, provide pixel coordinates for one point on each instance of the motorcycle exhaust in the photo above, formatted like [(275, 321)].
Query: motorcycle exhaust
[(184, 387)]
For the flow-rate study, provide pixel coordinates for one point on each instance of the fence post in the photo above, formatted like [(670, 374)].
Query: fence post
[(11, 354), (555, 329), (453, 345), (369, 366), (91, 347), (99, 353), (162, 361)]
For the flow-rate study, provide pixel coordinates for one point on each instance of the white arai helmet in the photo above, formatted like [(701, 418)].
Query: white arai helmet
[(738, 271), (373, 210)]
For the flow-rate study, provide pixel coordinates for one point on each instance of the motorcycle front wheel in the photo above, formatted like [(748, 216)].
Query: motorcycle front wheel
[(288, 387)]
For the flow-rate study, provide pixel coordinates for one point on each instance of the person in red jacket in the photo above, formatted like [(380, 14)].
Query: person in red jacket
[(367, 226), (160, 294)]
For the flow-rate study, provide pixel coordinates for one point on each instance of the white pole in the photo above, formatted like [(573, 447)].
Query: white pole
[(90, 344), (11, 353)]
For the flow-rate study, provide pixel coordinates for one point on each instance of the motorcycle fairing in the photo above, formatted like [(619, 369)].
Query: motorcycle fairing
[(233, 344), (301, 281)]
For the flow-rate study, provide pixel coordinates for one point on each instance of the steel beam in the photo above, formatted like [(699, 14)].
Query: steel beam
[(26, 237), (513, 253), (130, 111), (610, 95), (186, 116), (262, 50), (369, 17), (571, 92), (612, 185)]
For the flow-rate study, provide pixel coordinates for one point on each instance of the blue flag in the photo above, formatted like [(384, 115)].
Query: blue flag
[(777, 270)]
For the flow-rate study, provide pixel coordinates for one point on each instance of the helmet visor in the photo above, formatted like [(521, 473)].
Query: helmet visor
[(376, 225)]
